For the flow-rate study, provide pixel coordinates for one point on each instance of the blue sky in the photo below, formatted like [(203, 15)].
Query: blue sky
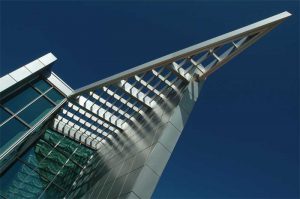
[(242, 138)]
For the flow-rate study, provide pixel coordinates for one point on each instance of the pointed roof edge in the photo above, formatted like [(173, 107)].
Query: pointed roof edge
[(268, 24)]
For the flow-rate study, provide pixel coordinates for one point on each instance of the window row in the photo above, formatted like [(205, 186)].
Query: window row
[(24, 108)]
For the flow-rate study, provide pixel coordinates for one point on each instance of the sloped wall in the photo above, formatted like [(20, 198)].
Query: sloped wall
[(130, 165)]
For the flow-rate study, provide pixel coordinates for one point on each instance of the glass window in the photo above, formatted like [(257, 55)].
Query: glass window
[(53, 192), (21, 99), (50, 162), (46, 164), (31, 157), (38, 157), (55, 96), (10, 130), (36, 111), (42, 85), (67, 175), (3, 115), (14, 182)]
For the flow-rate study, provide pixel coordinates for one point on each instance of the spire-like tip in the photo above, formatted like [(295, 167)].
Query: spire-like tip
[(287, 13)]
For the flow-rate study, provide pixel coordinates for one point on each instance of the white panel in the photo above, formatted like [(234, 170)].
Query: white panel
[(34, 66), (20, 74), (48, 59), (6, 82), (26, 71), (60, 84)]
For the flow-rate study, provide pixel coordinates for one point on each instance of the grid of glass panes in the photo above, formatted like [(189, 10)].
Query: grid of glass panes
[(48, 168), (24, 108)]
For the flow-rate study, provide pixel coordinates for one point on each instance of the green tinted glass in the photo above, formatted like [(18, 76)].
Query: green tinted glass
[(53, 192), (51, 158), (14, 182)]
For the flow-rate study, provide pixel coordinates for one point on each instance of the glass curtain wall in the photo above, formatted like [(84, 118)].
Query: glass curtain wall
[(24, 108), (51, 165), (48, 169)]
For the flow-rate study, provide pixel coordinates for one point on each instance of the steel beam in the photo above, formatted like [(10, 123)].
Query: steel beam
[(268, 23)]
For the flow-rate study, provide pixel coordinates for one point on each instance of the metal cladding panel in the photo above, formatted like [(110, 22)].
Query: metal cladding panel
[(59, 83), (136, 164), (30, 70), (47, 59), (35, 66), (6, 82), (134, 119), (20, 74)]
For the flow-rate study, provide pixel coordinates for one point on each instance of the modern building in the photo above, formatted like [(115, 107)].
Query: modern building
[(109, 139)]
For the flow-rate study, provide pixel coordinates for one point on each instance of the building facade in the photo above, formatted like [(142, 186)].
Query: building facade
[(109, 139)]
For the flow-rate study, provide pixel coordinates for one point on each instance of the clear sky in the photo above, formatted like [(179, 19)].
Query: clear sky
[(242, 139)]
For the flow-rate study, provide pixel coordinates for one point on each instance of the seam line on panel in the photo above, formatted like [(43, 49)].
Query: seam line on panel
[(175, 127)]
